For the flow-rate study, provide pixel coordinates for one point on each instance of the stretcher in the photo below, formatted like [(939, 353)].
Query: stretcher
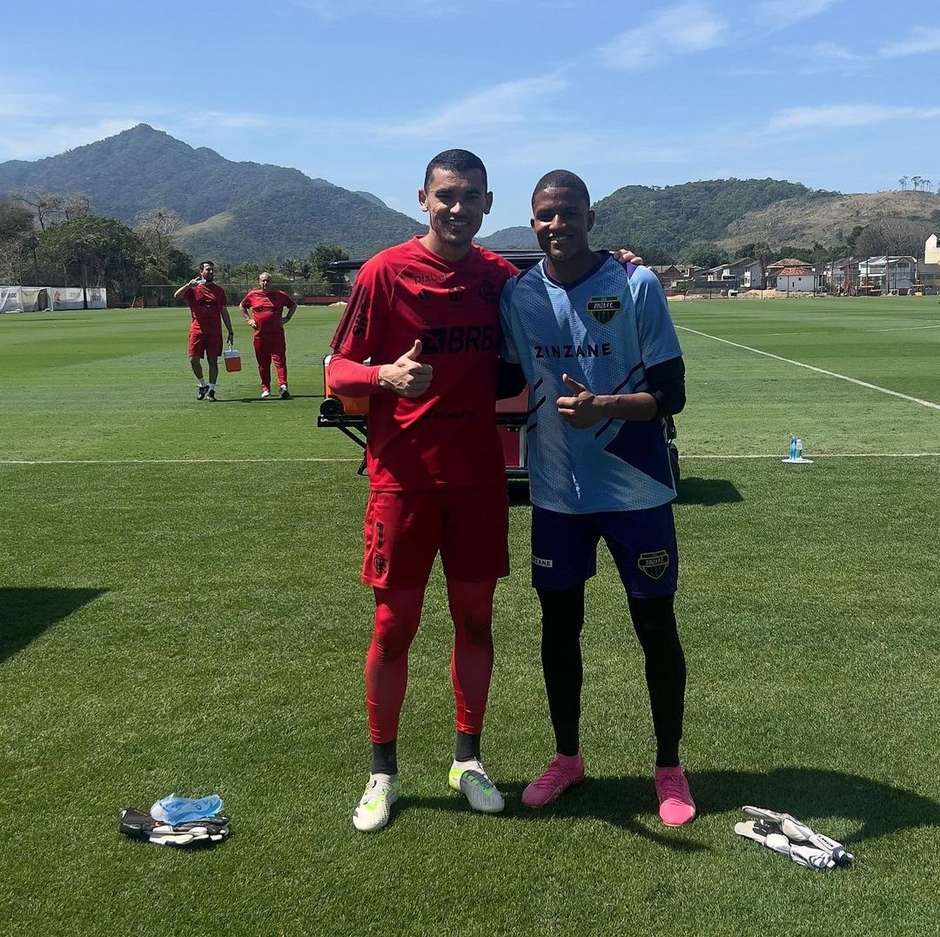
[(350, 415)]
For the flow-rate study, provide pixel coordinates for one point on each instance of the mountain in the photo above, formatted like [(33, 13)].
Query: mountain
[(829, 220), (671, 218), (235, 210), (520, 237), (739, 212)]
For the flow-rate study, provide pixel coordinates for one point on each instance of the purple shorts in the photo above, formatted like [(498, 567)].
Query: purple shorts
[(642, 543)]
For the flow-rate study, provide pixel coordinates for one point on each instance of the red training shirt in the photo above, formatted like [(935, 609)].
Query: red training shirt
[(447, 436), (266, 308), (206, 302)]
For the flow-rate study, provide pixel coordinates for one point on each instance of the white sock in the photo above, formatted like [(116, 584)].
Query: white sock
[(381, 776), (200, 382), (212, 387), (283, 387)]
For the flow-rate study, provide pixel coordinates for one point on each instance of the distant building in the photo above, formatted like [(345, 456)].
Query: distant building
[(671, 275), (837, 276), (745, 273), (928, 272), (799, 278), (932, 250), (888, 273)]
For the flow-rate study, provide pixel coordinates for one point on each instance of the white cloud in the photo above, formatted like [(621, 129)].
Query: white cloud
[(33, 142), (845, 115), (792, 11), (833, 52), (493, 108), (692, 26), (16, 104), (918, 42)]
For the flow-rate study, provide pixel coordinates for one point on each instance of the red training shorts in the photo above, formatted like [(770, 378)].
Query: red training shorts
[(208, 344), (403, 532)]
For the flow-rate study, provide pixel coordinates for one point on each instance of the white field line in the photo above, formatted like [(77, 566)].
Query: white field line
[(685, 455), (907, 328), (810, 367), (160, 461), (816, 455)]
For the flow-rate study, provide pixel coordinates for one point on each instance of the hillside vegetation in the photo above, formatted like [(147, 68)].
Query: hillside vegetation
[(253, 210)]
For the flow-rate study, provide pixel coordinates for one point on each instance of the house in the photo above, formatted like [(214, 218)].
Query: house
[(744, 273), (889, 274), (772, 271), (796, 280), (928, 272), (671, 275), (837, 276), (932, 250)]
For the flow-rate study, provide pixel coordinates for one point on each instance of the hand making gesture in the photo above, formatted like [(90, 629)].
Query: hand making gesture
[(583, 409), (408, 376)]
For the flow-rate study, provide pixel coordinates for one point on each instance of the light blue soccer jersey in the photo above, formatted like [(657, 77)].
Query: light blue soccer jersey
[(603, 331)]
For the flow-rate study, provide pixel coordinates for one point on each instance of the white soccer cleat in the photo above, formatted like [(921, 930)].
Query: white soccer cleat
[(375, 806), (471, 779), (265, 394)]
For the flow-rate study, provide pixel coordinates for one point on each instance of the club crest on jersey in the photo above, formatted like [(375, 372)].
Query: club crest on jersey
[(653, 564), (604, 308)]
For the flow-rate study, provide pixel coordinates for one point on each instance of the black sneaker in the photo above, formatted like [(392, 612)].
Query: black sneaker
[(285, 393), (201, 391), (210, 395)]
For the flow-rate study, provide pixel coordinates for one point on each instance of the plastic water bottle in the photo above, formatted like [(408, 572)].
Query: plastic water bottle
[(799, 448), (793, 447), (173, 809)]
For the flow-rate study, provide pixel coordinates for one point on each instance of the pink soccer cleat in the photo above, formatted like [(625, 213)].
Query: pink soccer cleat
[(564, 771), (676, 807)]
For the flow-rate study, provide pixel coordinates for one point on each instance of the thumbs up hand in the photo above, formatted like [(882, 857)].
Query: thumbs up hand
[(582, 409), (408, 376)]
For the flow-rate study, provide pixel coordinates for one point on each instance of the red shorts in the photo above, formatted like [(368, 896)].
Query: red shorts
[(208, 344), (403, 532)]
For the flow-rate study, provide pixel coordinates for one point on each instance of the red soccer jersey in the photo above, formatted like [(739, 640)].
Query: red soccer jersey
[(447, 436), (266, 308), (206, 302)]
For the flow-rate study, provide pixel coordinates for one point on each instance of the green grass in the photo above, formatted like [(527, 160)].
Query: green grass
[(198, 626)]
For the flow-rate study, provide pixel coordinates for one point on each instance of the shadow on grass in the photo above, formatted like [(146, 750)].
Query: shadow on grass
[(873, 809), (519, 493), (707, 491), (274, 397), (27, 613)]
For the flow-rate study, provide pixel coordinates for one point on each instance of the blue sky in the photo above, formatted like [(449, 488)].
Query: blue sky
[(839, 94)]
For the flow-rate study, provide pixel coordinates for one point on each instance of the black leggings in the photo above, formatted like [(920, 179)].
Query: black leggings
[(655, 624)]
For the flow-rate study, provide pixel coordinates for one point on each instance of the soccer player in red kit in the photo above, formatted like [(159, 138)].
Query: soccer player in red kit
[(426, 315), (263, 309), (208, 310)]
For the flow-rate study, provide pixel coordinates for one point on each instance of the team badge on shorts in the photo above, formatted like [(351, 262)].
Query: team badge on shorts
[(653, 564), (604, 308)]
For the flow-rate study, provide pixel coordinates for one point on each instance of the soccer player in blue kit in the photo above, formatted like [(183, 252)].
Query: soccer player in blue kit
[(604, 368)]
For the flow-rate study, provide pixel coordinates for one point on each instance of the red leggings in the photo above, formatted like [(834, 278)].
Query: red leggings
[(397, 614), (268, 347)]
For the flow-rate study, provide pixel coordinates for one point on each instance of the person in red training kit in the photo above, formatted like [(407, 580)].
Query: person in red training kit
[(426, 314), (263, 309), (208, 309)]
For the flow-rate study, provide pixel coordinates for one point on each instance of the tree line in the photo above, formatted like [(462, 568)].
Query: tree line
[(55, 239), (917, 184)]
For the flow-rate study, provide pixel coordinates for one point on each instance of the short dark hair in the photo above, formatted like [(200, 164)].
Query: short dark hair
[(562, 179), (206, 263), (454, 161)]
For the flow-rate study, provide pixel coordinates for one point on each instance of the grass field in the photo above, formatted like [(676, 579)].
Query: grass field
[(180, 611)]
